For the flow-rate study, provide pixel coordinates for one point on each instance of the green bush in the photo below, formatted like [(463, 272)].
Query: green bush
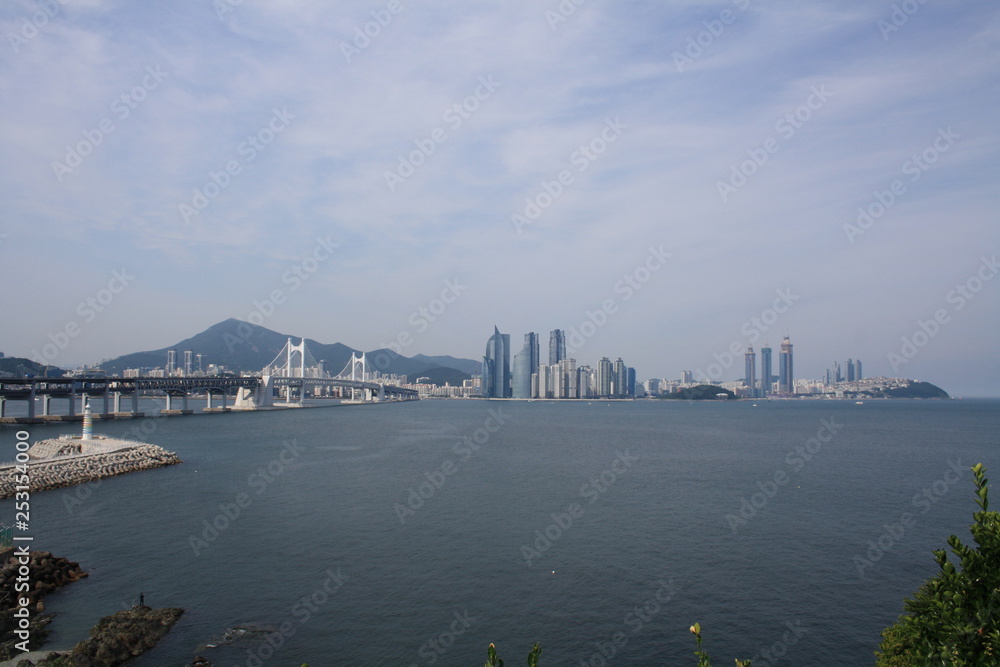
[(954, 617)]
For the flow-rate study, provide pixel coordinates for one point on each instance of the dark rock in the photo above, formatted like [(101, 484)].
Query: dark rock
[(124, 635)]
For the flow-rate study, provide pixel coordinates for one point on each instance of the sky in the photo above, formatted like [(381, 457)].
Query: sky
[(670, 180)]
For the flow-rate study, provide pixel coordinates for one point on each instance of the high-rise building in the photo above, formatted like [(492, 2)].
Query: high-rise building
[(496, 366), (750, 372), (557, 346), (850, 370), (630, 383), (171, 362), (687, 377), (620, 379), (765, 370), (585, 382), (525, 364), (568, 378), (786, 375), (604, 378), (857, 371), (188, 363), (837, 375)]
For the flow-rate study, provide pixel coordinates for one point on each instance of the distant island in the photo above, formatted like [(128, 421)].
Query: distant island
[(912, 390)]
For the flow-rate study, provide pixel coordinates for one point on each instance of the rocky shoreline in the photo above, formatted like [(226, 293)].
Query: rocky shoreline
[(116, 639), (121, 457), (48, 573)]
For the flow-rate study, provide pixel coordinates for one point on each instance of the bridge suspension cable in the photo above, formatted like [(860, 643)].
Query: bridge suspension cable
[(295, 361)]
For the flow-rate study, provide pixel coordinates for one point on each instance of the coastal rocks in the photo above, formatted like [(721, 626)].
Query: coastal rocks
[(47, 573), (115, 457), (117, 638), (124, 635)]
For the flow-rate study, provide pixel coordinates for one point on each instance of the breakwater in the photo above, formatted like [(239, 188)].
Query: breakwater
[(61, 462)]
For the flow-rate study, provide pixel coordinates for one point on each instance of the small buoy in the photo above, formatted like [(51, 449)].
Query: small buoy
[(553, 571)]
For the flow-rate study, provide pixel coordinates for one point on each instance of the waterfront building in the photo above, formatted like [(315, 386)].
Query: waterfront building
[(496, 366), (750, 372), (604, 375), (557, 346), (620, 378), (525, 365), (786, 375), (687, 377), (765, 371)]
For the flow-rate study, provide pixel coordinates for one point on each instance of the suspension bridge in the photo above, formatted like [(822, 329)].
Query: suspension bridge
[(293, 376)]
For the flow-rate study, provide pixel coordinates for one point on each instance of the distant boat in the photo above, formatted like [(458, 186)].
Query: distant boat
[(859, 402)]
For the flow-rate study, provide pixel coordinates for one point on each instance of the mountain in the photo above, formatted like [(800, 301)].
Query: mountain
[(465, 365), (241, 346)]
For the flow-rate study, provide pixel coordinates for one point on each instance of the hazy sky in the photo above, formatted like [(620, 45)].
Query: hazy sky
[(166, 165)]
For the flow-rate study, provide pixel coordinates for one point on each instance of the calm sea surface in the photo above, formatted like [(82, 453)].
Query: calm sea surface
[(386, 535)]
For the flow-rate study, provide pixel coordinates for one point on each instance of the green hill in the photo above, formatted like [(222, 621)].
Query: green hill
[(19, 366)]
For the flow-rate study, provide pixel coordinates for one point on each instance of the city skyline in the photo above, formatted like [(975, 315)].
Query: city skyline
[(338, 173)]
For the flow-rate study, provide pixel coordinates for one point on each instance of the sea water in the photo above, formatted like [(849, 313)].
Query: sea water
[(419, 533)]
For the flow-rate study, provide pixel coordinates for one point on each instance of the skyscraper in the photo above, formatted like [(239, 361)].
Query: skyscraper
[(496, 366), (857, 371), (604, 381), (750, 372), (557, 346), (850, 370), (620, 376), (525, 364), (765, 371), (786, 381)]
